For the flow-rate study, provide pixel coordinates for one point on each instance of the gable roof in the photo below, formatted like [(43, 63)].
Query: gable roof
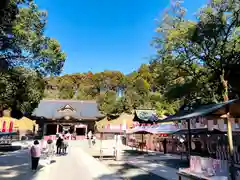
[(66, 107), (82, 109)]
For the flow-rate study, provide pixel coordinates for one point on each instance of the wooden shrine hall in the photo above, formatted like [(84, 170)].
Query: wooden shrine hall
[(66, 116)]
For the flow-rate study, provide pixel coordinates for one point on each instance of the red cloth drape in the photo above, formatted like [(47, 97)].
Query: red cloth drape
[(4, 126)]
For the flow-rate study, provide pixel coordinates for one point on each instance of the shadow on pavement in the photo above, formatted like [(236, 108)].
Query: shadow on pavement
[(9, 148), (135, 152), (104, 157), (153, 163), (126, 171), (16, 166), (126, 168), (162, 159), (173, 163)]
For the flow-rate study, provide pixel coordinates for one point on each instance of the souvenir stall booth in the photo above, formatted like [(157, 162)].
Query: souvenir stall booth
[(136, 137), (161, 133), (142, 118), (219, 118)]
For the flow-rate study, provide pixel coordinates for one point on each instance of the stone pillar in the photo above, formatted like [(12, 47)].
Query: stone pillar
[(118, 148)]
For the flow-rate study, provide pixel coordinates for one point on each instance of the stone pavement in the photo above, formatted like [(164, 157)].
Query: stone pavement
[(75, 165), (139, 165), (157, 168), (163, 165), (15, 166), (79, 164)]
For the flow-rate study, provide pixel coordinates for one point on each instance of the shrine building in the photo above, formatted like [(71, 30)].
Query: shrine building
[(66, 116)]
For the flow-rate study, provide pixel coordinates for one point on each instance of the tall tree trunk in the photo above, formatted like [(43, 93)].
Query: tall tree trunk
[(224, 82)]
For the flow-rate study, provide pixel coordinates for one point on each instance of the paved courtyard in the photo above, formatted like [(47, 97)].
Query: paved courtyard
[(76, 164), (15, 166), (79, 164)]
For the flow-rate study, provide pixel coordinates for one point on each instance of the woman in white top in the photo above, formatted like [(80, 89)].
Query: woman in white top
[(50, 150)]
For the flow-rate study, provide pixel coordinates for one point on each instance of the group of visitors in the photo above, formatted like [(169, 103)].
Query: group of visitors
[(62, 145), (36, 150)]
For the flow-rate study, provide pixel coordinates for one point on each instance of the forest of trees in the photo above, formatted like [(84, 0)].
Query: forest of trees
[(26, 55), (196, 62)]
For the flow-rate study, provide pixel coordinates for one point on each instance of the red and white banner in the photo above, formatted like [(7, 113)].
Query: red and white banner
[(10, 129), (4, 126)]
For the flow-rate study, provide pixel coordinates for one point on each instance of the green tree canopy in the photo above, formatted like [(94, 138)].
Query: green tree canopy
[(204, 51), (26, 55)]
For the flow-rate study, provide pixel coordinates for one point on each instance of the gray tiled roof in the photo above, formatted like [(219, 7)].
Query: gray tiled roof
[(201, 111), (83, 109)]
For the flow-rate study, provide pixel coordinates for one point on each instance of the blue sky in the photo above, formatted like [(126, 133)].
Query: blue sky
[(100, 35)]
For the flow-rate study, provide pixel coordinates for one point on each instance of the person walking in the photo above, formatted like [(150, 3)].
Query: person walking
[(94, 140), (50, 150), (89, 139), (35, 152)]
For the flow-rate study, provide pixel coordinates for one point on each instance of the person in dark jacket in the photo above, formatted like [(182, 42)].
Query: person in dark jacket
[(165, 146), (59, 145)]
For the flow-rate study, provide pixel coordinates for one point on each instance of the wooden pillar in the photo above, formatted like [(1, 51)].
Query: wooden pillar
[(189, 140), (44, 129), (57, 130), (86, 130), (230, 144)]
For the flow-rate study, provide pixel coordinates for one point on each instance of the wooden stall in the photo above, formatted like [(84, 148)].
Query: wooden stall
[(223, 117)]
